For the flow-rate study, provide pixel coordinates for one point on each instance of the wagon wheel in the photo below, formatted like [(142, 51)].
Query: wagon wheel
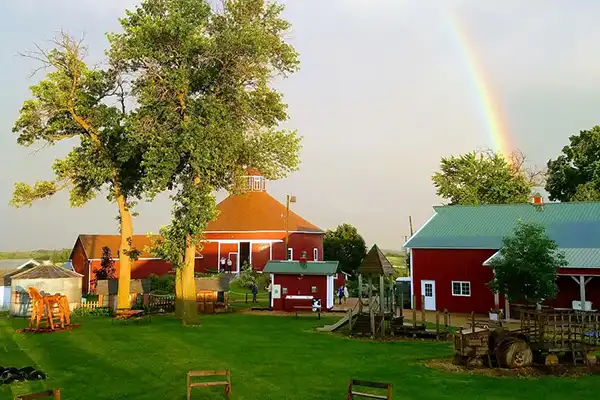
[(513, 352)]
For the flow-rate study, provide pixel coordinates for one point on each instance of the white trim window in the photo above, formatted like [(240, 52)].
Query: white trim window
[(316, 254), (290, 254), (461, 288)]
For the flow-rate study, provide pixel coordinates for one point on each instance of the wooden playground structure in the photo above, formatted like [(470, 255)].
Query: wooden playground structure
[(380, 316), (49, 312), (548, 337)]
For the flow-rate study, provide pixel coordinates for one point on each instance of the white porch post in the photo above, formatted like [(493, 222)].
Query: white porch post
[(582, 291), (507, 308), (270, 251), (237, 259), (219, 256), (497, 300)]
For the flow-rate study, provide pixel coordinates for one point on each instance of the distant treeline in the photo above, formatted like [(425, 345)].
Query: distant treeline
[(56, 256), (394, 253)]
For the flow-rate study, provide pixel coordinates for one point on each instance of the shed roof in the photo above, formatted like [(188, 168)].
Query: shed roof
[(298, 268), (570, 225), (576, 258), (46, 271), (9, 266), (376, 263), (257, 211)]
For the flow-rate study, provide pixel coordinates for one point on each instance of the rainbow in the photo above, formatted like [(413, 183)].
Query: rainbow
[(492, 109)]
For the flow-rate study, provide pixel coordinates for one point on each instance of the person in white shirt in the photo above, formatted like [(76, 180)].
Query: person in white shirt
[(223, 264), (229, 264), (346, 294)]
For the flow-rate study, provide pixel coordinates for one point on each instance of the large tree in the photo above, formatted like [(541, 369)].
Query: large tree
[(485, 178), (206, 110), (526, 268), (575, 174), (72, 102), (346, 245)]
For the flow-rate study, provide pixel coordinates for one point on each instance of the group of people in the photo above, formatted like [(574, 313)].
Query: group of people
[(343, 294), (226, 264)]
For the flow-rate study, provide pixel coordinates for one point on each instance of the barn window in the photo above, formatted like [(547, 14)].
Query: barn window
[(290, 253), (316, 254), (461, 288), (313, 289)]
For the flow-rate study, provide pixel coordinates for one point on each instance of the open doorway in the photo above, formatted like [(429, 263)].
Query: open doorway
[(244, 253)]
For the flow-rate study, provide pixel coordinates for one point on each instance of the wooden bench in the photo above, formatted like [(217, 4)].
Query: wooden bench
[(54, 393), (227, 383), (299, 309), (375, 385), (126, 314)]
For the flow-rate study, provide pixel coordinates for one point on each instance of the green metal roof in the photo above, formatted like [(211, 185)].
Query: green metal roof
[(576, 258), (297, 268), (571, 225)]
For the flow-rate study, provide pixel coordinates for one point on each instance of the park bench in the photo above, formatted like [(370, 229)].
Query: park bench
[(299, 309), (369, 384), (192, 374), (126, 314), (52, 393)]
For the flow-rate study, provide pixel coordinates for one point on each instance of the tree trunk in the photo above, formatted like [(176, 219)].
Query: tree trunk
[(178, 293), (124, 249), (190, 311)]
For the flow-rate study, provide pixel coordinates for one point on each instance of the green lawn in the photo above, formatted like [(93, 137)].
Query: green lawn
[(270, 358)]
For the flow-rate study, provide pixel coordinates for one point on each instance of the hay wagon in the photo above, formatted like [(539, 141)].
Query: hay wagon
[(542, 336)]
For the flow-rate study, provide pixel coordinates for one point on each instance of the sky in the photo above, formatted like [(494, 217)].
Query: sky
[(384, 92)]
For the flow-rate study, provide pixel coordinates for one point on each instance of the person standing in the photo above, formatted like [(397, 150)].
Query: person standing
[(223, 264), (340, 294), (346, 294), (254, 292), (229, 264)]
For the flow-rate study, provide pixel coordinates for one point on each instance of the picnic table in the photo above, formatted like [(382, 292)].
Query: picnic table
[(299, 309)]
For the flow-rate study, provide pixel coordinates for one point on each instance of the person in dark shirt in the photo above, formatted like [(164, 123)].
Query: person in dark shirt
[(254, 292)]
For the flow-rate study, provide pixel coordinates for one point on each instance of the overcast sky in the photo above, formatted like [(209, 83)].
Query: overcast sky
[(383, 93)]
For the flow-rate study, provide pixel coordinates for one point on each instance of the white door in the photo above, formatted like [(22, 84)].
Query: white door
[(330, 292), (428, 290)]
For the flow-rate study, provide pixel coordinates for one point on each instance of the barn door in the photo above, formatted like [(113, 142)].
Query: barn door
[(428, 290), (234, 262)]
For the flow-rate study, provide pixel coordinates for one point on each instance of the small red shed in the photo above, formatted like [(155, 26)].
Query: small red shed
[(297, 283)]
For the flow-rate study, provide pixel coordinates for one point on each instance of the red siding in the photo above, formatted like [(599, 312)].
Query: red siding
[(447, 265), (80, 265), (261, 252), (297, 285)]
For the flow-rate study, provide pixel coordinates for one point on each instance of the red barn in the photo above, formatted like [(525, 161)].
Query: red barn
[(296, 283), (450, 253), (251, 227)]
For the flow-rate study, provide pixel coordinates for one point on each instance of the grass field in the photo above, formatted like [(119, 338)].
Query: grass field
[(270, 358)]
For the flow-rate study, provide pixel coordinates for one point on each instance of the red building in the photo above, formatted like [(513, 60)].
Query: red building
[(296, 283), (449, 254), (251, 227)]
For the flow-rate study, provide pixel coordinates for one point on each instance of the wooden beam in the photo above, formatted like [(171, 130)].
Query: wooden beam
[(582, 292)]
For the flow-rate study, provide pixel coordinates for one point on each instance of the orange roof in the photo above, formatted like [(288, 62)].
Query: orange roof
[(93, 244), (253, 172), (256, 211)]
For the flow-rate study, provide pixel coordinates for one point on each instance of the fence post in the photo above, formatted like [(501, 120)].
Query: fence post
[(246, 298)]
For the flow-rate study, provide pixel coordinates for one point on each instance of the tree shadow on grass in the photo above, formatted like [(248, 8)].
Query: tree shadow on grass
[(14, 353)]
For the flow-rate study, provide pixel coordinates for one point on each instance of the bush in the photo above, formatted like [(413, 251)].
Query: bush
[(87, 312), (162, 284)]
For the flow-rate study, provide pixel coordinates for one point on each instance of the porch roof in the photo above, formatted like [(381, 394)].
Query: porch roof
[(297, 268), (576, 258)]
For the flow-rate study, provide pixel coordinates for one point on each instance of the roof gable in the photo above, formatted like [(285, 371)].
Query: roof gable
[(45, 271), (298, 268), (257, 211), (376, 263), (571, 225)]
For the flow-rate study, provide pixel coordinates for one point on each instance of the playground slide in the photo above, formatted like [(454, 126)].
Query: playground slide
[(342, 322)]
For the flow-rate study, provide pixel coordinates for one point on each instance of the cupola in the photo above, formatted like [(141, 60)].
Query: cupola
[(256, 181)]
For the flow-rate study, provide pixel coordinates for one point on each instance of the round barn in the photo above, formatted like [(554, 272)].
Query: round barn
[(297, 283)]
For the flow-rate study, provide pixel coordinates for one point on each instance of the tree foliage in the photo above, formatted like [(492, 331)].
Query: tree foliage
[(107, 268), (526, 268), (575, 174), (206, 111), (485, 178), (346, 245), (73, 101)]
